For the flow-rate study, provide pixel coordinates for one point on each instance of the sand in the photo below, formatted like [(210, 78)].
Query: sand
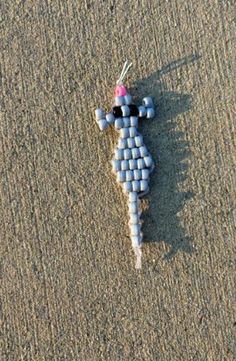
[(68, 283)]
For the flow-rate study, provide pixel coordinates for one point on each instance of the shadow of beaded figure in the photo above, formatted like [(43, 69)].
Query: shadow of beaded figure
[(132, 161)]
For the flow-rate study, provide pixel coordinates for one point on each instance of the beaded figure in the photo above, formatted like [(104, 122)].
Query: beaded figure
[(132, 162)]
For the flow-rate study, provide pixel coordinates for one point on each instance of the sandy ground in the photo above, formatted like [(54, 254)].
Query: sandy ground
[(69, 287)]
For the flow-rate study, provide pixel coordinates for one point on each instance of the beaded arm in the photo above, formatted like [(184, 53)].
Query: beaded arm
[(147, 109)]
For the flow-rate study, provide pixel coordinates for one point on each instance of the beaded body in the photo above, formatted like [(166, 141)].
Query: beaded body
[(132, 161)]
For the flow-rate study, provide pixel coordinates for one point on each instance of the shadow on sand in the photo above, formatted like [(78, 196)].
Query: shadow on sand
[(171, 154)]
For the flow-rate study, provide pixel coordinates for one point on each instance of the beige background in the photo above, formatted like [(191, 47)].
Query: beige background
[(69, 287)]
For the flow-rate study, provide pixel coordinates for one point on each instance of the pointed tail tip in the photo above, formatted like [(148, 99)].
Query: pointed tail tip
[(138, 254)]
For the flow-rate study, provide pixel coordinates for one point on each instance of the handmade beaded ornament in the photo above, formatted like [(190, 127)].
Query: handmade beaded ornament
[(132, 162)]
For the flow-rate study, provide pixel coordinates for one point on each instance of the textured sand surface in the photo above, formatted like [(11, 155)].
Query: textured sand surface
[(69, 289)]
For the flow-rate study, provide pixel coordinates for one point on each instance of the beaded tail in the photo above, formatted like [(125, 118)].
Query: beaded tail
[(135, 226)]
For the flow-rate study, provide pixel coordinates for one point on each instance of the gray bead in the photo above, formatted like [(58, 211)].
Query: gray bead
[(126, 122), (122, 143), (138, 140), (128, 99), (132, 164), (147, 102), (102, 123), (133, 197), (135, 153), (137, 174), (148, 161), (119, 101), (129, 176), (143, 151), (134, 121), (124, 132), (133, 206), (136, 241), (110, 118), (121, 176), (116, 165), (134, 218), (140, 163), (124, 165), (135, 229), (127, 154), (145, 173), (119, 153), (127, 186), (150, 113), (130, 142), (132, 132), (125, 110), (100, 114), (143, 185), (142, 111), (118, 123), (136, 186)]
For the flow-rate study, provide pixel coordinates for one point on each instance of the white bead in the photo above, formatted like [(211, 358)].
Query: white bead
[(145, 173), (132, 132), (136, 241), (118, 123), (122, 143), (143, 185), (136, 186), (133, 197), (135, 229), (130, 142), (125, 110), (102, 123), (138, 140), (134, 121), (100, 114), (143, 151), (119, 101), (127, 154), (133, 207), (142, 111), (140, 163), (137, 174), (110, 118), (124, 132), (147, 102), (132, 163), (127, 186), (128, 99), (134, 218), (148, 161), (135, 153), (121, 176), (126, 122), (124, 165), (119, 153), (116, 165), (129, 176), (150, 113)]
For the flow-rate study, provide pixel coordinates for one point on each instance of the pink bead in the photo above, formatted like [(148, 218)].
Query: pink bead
[(120, 91)]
